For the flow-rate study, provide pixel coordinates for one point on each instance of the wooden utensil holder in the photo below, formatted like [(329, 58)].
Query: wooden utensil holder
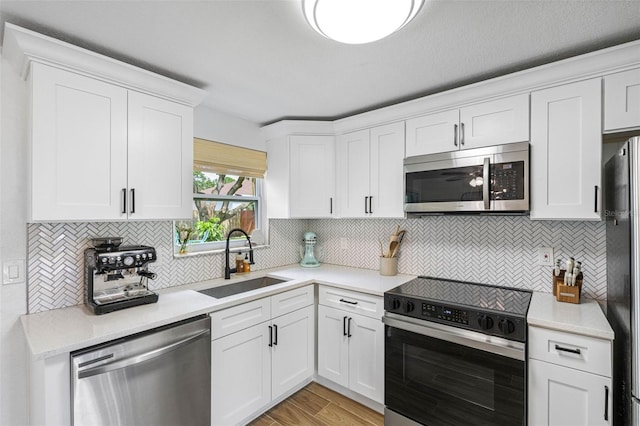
[(567, 293)]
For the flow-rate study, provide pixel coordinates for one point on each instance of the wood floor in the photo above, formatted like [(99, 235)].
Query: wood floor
[(317, 405)]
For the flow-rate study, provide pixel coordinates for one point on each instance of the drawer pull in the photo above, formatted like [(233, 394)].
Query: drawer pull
[(573, 351), (349, 302)]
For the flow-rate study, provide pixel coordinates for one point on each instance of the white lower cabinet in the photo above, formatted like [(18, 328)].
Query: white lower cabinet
[(561, 396), (569, 379), (258, 364), (351, 349)]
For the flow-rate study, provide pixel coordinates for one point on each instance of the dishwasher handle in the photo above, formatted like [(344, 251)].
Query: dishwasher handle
[(136, 359)]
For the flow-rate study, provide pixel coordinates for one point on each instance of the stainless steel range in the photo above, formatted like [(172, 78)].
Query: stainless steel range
[(455, 353)]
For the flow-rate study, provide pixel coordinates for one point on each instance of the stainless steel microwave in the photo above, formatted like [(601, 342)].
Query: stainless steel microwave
[(492, 179)]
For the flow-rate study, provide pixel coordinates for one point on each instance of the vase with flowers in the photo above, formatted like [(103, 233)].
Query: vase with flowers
[(184, 232)]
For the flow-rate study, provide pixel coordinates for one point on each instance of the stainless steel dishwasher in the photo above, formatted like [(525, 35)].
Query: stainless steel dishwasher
[(161, 377)]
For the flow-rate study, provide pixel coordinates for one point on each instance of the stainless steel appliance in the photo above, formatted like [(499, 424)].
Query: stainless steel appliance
[(157, 378), (455, 354), (622, 207), (116, 276), (493, 179)]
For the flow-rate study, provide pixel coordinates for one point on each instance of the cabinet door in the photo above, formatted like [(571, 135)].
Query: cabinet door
[(240, 374), (622, 100), (566, 151), (496, 122), (78, 147), (561, 396), (293, 352), (387, 184), (333, 350), (312, 176), (160, 158), (366, 356), (353, 173), (432, 133)]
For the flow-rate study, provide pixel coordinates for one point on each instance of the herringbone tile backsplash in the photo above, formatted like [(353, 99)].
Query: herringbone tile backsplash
[(496, 250)]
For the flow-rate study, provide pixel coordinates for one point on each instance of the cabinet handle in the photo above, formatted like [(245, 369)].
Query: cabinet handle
[(124, 200), (461, 134), (133, 200), (595, 204), (486, 175), (366, 210), (330, 205), (270, 336), (275, 339), (370, 199), (349, 302), (606, 403), (344, 325), (573, 351), (455, 135), (349, 327)]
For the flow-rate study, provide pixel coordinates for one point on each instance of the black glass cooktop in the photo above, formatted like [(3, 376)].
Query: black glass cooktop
[(507, 300)]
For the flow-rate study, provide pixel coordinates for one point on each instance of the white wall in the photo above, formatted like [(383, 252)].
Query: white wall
[(224, 128), (13, 245)]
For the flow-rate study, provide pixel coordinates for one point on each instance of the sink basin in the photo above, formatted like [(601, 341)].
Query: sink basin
[(241, 287)]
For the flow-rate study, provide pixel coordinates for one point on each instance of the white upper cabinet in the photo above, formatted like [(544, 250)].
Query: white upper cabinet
[(102, 152), (622, 100), (566, 151), (78, 146), (312, 177), (369, 176), (160, 176), (108, 141), (489, 123)]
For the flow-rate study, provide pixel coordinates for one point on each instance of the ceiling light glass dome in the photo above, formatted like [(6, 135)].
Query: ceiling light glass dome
[(359, 21)]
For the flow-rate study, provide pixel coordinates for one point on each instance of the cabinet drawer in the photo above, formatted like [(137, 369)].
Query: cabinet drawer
[(239, 317), (291, 300), (352, 301), (571, 350)]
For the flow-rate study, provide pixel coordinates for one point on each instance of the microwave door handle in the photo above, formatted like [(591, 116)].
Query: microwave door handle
[(485, 183)]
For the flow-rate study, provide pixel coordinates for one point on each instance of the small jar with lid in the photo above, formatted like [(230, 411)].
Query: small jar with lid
[(239, 263)]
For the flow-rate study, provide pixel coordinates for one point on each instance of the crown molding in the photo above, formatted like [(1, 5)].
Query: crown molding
[(23, 47), (297, 127)]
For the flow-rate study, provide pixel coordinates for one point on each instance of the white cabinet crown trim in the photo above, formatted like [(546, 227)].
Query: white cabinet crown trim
[(22, 47)]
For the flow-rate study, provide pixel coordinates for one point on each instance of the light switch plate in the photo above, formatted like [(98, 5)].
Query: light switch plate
[(545, 256), (13, 271)]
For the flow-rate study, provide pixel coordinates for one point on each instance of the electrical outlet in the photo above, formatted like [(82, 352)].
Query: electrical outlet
[(545, 256), (344, 245)]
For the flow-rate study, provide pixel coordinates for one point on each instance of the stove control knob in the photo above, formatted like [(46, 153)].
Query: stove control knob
[(485, 322), (395, 304), (506, 326), (409, 307)]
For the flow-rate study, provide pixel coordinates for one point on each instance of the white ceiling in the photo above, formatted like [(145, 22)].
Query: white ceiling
[(259, 60)]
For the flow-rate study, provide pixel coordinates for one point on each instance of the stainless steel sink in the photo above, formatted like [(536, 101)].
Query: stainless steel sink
[(241, 287)]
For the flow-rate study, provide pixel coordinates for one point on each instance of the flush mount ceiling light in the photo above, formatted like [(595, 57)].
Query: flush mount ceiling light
[(359, 21)]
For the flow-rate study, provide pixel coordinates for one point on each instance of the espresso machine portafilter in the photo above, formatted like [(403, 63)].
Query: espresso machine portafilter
[(116, 276)]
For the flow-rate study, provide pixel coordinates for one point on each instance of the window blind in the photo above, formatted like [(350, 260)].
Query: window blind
[(220, 158)]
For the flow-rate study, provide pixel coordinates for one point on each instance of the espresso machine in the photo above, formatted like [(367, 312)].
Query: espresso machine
[(116, 276)]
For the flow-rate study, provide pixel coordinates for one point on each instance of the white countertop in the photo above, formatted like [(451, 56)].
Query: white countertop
[(64, 330), (584, 318)]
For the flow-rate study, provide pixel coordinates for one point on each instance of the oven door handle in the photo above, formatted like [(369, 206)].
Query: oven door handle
[(471, 339)]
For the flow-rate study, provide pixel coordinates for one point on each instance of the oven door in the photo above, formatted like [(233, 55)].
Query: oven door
[(441, 375)]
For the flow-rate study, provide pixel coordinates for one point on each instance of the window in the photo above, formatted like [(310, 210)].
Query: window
[(227, 189)]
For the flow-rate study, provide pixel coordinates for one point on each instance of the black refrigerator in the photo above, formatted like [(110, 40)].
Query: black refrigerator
[(622, 210)]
